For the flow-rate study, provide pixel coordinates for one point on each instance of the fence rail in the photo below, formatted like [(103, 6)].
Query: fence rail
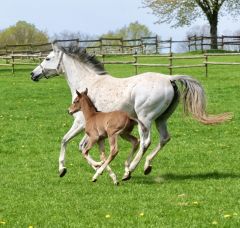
[(143, 45), (34, 59)]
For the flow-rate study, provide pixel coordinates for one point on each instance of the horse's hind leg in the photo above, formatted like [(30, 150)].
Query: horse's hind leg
[(135, 143), (103, 158), (145, 140), (164, 138), (74, 130)]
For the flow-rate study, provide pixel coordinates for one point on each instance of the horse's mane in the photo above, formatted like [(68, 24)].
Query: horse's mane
[(81, 55)]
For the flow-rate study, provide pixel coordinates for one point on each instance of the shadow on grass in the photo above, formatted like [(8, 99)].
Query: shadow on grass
[(170, 177)]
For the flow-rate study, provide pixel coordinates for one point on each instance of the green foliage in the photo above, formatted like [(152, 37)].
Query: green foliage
[(22, 33), (134, 30), (182, 13), (195, 179)]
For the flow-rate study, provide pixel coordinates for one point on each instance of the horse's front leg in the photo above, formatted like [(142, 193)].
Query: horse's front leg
[(76, 128)]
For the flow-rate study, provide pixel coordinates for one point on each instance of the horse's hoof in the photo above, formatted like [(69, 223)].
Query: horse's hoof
[(116, 183), (63, 172), (94, 180), (148, 170), (126, 177)]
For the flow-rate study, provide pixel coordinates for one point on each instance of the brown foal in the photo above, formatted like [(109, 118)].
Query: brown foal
[(101, 125)]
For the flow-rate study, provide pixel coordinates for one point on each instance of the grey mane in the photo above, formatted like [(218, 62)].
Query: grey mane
[(81, 55)]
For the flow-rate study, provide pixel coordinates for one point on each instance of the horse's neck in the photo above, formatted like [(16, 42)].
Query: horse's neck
[(87, 109), (78, 76)]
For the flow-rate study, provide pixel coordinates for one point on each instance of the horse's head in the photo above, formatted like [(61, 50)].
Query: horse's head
[(77, 104), (51, 66)]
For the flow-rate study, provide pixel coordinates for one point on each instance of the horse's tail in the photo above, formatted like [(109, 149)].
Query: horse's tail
[(194, 101)]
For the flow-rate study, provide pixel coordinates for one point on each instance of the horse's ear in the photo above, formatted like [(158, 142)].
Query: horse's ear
[(55, 46), (79, 94), (86, 91)]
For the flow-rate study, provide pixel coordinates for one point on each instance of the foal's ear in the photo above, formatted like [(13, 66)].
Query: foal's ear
[(86, 91), (79, 94)]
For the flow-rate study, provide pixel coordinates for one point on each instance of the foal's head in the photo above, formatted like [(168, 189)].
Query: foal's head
[(79, 101)]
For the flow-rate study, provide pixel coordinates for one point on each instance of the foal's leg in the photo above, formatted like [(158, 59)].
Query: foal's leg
[(164, 138), (135, 143), (82, 145), (74, 130), (145, 140), (103, 158), (90, 143), (113, 153)]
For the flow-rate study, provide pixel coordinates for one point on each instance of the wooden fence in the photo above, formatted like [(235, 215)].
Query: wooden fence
[(228, 43), (143, 45), (34, 59)]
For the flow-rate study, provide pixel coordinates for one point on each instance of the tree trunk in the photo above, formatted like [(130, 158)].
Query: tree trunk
[(213, 31)]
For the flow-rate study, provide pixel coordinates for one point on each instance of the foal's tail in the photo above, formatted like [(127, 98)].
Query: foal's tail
[(194, 101)]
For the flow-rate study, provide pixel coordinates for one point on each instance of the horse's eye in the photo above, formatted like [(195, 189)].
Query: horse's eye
[(47, 59)]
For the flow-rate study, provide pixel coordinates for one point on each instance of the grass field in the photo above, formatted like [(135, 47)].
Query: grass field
[(195, 181)]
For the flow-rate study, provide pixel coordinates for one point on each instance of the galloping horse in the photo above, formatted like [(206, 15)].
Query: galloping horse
[(148, 97)]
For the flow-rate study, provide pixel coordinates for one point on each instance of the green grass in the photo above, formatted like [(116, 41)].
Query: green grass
[(195, 180)]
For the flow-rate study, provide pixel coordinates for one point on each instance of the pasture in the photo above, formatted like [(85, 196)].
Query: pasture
[(195, 180)]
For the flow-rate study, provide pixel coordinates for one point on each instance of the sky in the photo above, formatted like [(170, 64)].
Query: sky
[(94, 17)]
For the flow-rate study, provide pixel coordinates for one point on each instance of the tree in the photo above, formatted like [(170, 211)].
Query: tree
[(184, 12), (68, 35), (22, 33), (134, 30)]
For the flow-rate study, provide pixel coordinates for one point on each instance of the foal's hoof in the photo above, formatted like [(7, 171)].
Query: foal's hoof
[(94, 180), (63, 172), (116, 183), (126, 177), (148, 170)]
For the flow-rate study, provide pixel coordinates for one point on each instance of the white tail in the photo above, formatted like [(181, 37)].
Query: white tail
[(194, 101)]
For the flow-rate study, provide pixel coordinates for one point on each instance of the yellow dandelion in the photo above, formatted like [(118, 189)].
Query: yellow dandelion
[(235, 214), (227, 216), (195, 203), (214, 222), (141, 214), (30, 227), (2, 222), (107, 216)]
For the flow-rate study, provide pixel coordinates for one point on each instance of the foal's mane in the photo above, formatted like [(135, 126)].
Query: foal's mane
[(81, 55), (89, 101)]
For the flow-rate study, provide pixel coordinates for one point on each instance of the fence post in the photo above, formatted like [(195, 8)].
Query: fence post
[(156, 44), (206, 65), (222, 42), (136, 61), (142, 46), (189, 44), (170, 45), (170, 63), (101, 47), (195, 43), (202, 43), (122, 44), (13, 67)]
